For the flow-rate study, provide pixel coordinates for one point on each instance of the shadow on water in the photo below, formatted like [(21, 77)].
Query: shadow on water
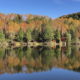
[(39, 61)]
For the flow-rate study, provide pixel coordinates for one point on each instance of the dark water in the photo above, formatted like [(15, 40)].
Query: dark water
[(41, 63)]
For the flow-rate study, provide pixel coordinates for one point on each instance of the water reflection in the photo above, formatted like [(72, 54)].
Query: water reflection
[(28, 60)]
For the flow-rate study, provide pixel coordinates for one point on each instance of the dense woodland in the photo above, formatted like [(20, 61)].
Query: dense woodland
[(27, 28)]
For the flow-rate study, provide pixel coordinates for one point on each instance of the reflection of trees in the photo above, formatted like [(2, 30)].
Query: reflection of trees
[(28, 53), (72, 60), (19, 52), (39, 59), (2, 53), (47, 55), (35, 53), (57, 52), (68, 51)]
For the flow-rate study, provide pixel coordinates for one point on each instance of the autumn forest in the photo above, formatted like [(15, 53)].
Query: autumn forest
[(35, 28)]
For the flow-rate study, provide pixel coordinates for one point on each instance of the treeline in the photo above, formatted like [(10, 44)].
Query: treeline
[(74, 16), (38, 28)]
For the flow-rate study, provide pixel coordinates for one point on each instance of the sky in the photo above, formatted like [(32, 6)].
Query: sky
[(51, 8)]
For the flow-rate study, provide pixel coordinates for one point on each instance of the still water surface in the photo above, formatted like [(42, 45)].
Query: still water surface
[(41, 63)]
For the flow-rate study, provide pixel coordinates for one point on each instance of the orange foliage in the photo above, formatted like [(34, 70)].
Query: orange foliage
[(13, 27)]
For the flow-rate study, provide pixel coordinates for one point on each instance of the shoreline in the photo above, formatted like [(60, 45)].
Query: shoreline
[(29, 44), (52, 44)]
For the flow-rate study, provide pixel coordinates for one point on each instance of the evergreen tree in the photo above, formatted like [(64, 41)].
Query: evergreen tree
[(20, 35), (28, 35), (35, 34), (68, 36), (2, 35), (73, 35), (57, 35), (47, 33)]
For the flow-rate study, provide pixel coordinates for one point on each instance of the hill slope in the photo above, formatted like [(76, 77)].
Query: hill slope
[(39, 28), (74, 16)]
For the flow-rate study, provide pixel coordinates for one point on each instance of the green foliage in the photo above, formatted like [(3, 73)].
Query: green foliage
[(19, 53), (57, 52), (35, 35), (47, 55), (2, 35), (20, 35), (73, 35), (28, 35), (28, 52), (68, 51), (47, 33), (57, 35), (2, 53), (68, 36)]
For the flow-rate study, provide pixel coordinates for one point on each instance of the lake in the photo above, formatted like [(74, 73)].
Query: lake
[(40, 63)]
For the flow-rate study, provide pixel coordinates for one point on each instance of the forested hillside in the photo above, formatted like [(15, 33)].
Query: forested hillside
[(27, 28), (74, 16)]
